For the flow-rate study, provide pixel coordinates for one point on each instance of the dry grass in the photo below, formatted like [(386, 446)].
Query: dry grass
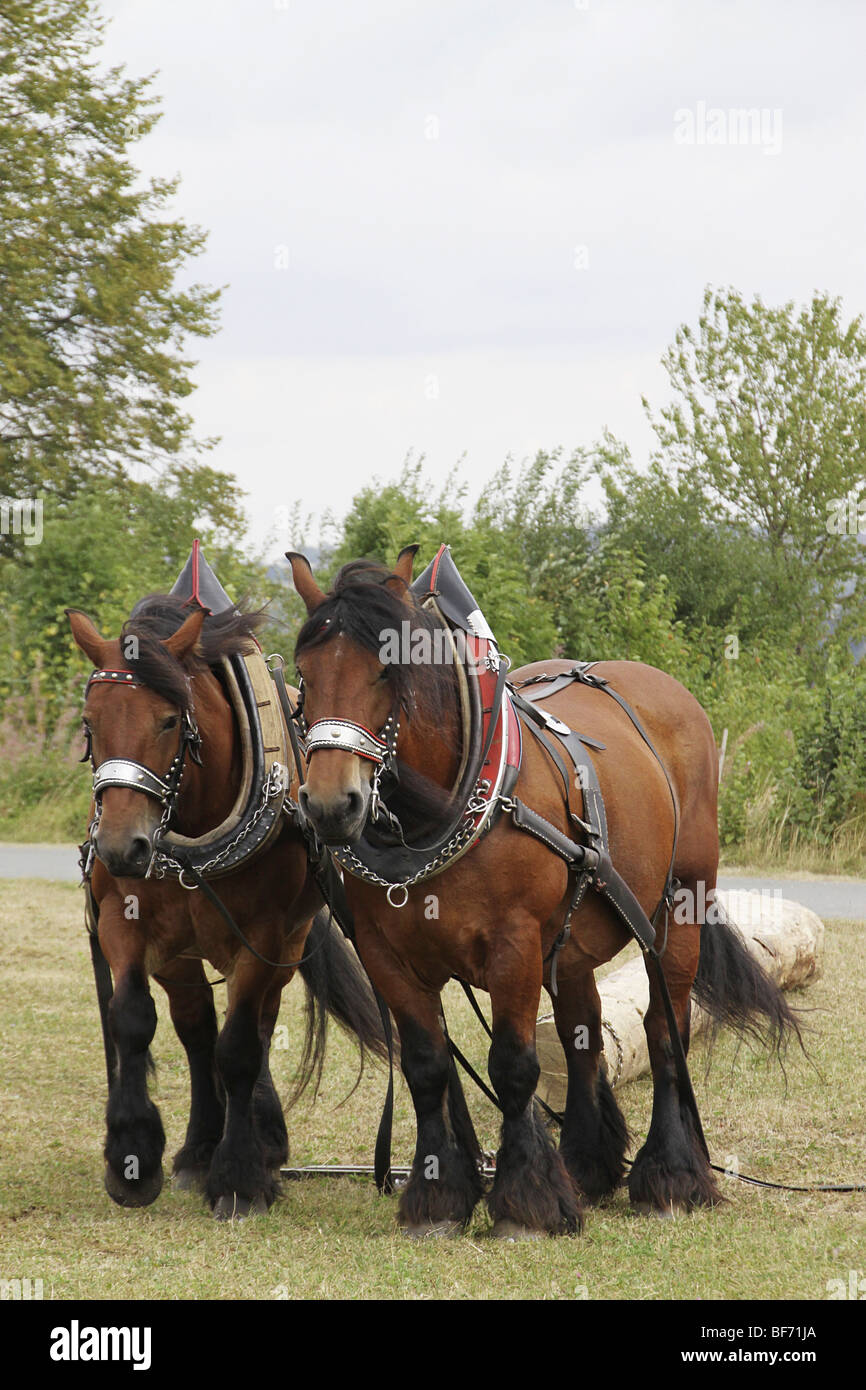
[(335, 1239)]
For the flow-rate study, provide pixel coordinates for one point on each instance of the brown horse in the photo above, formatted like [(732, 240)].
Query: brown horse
[(496, 912), (152, 686)]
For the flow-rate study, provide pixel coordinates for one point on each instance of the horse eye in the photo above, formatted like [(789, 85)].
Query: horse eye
[(170, 723)]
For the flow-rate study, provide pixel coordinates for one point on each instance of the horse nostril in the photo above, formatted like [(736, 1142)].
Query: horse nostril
[(140, 850), (354, 802)]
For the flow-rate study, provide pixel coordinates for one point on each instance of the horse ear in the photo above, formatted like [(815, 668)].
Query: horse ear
[(403, 567), (181, 643), (85, 636), (305, 584)]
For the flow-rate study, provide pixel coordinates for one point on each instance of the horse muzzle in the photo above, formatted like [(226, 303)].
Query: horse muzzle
[(125, 858), (339, 819)]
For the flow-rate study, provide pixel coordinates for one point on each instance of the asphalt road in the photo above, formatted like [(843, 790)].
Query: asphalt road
[(829, 897)]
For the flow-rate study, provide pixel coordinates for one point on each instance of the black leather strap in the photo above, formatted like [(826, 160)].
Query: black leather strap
[(576, 855), (102, 979)]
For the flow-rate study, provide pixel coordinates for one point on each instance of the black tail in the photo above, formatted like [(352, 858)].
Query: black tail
[(337, 985), (736, 992)]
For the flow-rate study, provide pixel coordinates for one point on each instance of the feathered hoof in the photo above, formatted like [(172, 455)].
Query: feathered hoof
[(513, 1232), (235, 1208), (189, 1179), (129, 1192), (659, 1213), (433, 1230)]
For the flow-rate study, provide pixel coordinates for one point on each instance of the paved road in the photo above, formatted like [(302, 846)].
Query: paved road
[(57, 862), (829, 897)]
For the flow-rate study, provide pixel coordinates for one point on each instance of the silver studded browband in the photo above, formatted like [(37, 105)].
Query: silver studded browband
[(346, 736)]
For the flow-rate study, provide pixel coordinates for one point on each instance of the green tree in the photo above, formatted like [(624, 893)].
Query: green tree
[(102, 550), (92, 369), (385, 517), (768, 427)]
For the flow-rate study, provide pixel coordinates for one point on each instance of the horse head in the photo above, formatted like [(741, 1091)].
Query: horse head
[(149, 691), (368, 686)]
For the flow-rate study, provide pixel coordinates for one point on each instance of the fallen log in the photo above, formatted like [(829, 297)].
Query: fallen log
[(784, 936)]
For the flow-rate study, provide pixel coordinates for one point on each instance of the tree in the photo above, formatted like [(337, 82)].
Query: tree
[(104, 549), (385, 517), (719, 571), (92, 323), (769, 427)]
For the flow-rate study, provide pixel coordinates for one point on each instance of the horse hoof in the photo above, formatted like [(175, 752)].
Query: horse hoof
[(660, 1213), (434, 1230), (128, 1192), (189, 1180), (512, 1231), (235, 1208)]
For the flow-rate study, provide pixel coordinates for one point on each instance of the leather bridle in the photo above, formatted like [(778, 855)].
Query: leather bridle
[(347, 736), (126, 772)]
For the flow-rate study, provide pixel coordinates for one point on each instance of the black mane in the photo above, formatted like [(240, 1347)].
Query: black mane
[(159, 616), (365, 606)]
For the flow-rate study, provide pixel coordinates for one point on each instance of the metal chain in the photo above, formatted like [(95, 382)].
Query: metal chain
[(461, 837), (274, 784)]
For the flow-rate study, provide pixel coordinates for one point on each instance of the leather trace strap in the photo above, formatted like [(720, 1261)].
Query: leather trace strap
[(605, 879)]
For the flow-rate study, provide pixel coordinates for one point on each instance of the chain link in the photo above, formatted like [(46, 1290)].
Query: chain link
[(274, 784), (459, 840)]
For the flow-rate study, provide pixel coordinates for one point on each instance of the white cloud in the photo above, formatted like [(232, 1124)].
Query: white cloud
[(307, 128)]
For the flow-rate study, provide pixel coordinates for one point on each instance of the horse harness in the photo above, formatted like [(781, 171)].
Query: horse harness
[(496, 727), (393, 865)]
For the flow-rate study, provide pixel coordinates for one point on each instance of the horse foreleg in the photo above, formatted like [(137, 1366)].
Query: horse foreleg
[(594, 1135), (445, 1183), (135, 1138), (269, 1119), (194, 1018), (671, 1172), (240, 1181), (533, 1192)]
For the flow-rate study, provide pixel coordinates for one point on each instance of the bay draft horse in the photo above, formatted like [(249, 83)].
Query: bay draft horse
[(502, 905), (236, 1139)]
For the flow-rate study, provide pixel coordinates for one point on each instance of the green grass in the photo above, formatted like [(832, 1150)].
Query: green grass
[(336, 1238), (44, 799), (838, 850)]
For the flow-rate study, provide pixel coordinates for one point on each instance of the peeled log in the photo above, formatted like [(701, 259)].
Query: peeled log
[(785, 937)]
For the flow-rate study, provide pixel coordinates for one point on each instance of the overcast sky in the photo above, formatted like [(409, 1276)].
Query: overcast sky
[(473, 227)]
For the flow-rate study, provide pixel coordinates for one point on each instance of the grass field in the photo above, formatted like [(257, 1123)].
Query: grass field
[(327, 1239)]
